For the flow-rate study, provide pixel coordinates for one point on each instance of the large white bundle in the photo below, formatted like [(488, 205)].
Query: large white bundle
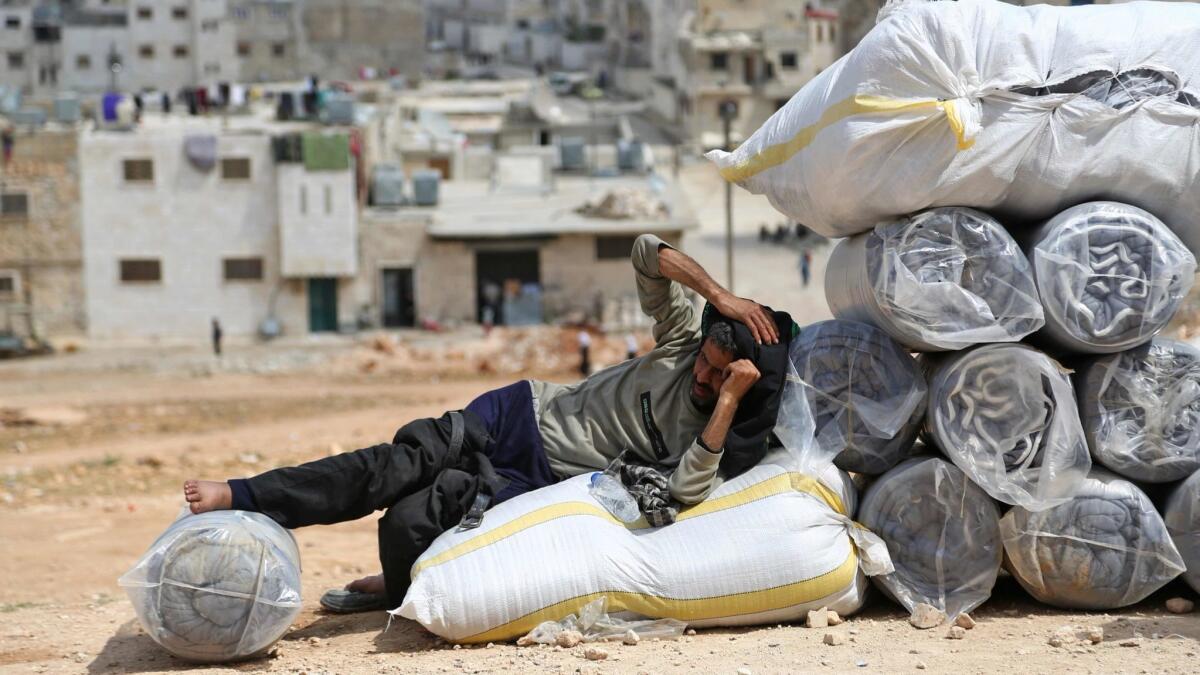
[(767, 546), (1182, 516), (1020, 110), (219, 586)]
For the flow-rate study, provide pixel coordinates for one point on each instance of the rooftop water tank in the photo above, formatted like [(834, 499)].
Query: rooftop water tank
[(425, 187), (572, 154)]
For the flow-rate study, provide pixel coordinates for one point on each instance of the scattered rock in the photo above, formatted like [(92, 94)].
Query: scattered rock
[(525, 641), (834, 639), (314, 640), (926, 616), (690, 631), (920, 666), (744, 671), (817, 618), (631, 638), (834, 618), (595, 654), (964, 620), (568, 639), (1094, 634), (1131, 642), (956, 633), (490, 645), (1180, 606)]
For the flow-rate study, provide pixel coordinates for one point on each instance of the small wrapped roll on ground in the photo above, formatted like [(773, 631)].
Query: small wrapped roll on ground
[(1104, 548), (1182, 516), (1141, 410), (941, 280), (865, 392), (1110, 277), (1006, 415), (942, 532)]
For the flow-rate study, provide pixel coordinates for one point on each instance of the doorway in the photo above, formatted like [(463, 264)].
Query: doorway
[(398, 301), (322, 305), (508, 287)]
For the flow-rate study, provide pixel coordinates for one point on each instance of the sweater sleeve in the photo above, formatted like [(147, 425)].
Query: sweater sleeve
[(662, 299), (695, 477)]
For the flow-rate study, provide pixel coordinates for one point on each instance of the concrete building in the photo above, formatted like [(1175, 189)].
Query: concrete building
[(30, 51), (185, 220), (687, 58), (95, 39), (342, 37), (268, 39), (41, 281)]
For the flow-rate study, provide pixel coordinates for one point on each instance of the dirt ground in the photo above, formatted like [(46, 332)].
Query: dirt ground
[(93, 453)]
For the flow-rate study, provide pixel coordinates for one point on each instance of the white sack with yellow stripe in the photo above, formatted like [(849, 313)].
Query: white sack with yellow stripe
[(1023, 111), (765, 547)]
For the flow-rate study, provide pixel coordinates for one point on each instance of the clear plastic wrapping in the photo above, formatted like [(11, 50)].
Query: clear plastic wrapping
[(865, 393), (942, 531), (941, 280), (1110, 277), (1141, 410), (1006, 415), (1182, 517), (1104, 548), (219, 586)]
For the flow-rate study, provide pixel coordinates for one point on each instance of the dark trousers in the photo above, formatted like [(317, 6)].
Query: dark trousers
[(424, 481)]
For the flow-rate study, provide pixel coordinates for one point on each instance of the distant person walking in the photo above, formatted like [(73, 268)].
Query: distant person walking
[(8, 141), (216, 336), (805, 267), (585, 348), (631, 347)]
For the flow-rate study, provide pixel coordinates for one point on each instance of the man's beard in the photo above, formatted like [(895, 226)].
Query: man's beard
[(704, 405)]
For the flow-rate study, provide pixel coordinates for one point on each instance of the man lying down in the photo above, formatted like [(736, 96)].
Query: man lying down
[(705, 398)]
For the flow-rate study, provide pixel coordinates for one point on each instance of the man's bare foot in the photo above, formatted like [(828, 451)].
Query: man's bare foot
[(207, 495), (371, 584)]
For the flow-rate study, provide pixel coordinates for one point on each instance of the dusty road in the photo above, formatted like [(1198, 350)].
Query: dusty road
[(91, 461)]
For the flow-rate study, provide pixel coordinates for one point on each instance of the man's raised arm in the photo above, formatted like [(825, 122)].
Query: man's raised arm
[(678, 266)]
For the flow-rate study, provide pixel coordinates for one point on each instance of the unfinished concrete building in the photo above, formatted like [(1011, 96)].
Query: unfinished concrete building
[(41, 283), (343, 37)]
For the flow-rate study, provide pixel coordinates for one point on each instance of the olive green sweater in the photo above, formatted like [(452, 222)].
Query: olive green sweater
[(642, 405)]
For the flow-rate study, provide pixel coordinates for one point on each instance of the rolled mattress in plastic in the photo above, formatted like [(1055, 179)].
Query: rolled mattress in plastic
[(1110, 277), (1104, 548), (941, 280), (865, 392), (1182, 516), (942, 532), (219, 586), (1006, 415), (1141, 410), (765, 547)]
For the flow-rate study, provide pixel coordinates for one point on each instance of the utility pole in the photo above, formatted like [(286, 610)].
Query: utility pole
[(729, 110)]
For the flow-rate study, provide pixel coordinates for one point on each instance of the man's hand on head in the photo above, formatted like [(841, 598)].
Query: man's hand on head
[(739, 377), (753, 315)]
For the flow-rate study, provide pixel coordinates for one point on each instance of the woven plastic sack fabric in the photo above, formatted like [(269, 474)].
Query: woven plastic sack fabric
[(942, 280), (1182, 516), (1020, 111), (765, 547), (219, 586), (1141, 410), (1110, 276), (865, 393), (942, 532), (1104, 548), (1006, 415)]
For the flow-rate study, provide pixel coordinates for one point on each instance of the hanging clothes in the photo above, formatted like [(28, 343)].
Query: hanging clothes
[(288, 149), (201, 150), (109, 106), (326, 152)]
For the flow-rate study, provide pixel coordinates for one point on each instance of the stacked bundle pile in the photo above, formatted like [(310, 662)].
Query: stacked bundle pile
[(958, 173)]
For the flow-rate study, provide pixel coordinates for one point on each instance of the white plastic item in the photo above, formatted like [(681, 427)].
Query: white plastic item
[(1110, 277), (1141, 410), (220, 586), (941, 280), (1020, 111), (765, 547), (865, 393), (595, 624), (1104, 548), (1182, 516), (1006, 415), (612, 495), (942, 532)]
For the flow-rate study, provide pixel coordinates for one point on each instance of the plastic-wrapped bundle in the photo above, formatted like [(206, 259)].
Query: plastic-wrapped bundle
[(1182, 516), (1020, 111), (1110, 276), (941, 280), (866, 393), (219, 586), (1006, 415), (1104, 548), (942, 532), (1141, 410)]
